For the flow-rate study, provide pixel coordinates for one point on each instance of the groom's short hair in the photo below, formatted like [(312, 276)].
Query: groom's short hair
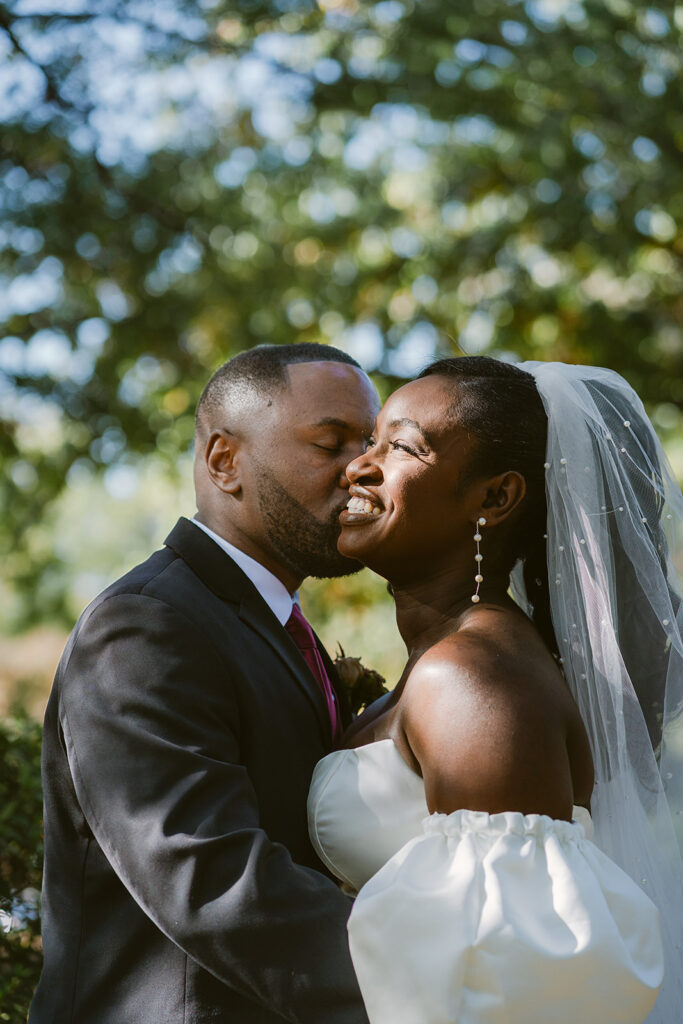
[(263, 368)]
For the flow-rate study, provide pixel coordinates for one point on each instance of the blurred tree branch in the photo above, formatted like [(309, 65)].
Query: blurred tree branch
[(406, 180)]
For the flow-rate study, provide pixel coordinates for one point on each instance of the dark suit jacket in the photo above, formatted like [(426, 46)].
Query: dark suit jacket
[(180, 883)]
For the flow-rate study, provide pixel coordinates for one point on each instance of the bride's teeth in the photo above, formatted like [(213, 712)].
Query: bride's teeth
[(361, 506)]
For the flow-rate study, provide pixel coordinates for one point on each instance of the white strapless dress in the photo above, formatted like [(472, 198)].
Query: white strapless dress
[(476, 918)]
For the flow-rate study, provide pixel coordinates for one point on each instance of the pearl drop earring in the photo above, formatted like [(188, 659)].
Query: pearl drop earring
[(478, 579)]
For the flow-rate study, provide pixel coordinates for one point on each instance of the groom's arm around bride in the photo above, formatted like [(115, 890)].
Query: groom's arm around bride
[(183, 727)]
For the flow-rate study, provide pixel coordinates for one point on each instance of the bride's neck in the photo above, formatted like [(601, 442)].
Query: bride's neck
[(430, 608)]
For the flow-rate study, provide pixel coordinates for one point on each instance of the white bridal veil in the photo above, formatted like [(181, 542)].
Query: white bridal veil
[(614, 513)]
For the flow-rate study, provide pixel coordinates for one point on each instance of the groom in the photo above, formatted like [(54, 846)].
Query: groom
[(188, 711)]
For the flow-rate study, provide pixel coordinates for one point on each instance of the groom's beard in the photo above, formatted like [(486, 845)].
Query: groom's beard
[(307, 546)]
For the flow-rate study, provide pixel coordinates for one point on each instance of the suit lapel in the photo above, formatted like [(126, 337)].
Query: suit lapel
[(225, 578), (255, 613)]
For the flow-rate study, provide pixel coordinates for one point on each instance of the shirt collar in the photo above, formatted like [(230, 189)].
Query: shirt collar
[(272, 590)]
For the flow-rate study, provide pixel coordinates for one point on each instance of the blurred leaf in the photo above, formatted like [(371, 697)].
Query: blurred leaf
[(181, 181), (21, 850)]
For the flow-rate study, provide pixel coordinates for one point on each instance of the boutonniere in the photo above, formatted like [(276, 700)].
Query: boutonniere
[(363, 685)]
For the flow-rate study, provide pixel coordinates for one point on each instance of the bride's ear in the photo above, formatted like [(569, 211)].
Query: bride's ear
[(222, 461), (503, 495)]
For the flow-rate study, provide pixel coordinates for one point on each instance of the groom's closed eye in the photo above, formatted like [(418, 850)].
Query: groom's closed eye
[(332, 434), (334, 446)]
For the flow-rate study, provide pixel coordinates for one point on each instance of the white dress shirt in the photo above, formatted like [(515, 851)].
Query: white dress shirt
[(272, 590)]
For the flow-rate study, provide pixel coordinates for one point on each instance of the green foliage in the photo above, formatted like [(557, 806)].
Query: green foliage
[(387, 176), (20, 864), (357, 614)]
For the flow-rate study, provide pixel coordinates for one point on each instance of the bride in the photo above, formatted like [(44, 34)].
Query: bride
[(458, 810)]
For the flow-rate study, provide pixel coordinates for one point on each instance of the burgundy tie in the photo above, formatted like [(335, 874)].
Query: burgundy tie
[(301, 633)]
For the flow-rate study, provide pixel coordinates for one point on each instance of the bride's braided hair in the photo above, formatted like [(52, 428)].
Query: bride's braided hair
[(500, 407)]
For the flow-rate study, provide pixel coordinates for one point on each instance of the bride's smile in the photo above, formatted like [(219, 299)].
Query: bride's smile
[(361, 504), (415, 492)]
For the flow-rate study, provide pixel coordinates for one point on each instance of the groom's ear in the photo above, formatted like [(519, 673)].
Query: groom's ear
[(222, 461)]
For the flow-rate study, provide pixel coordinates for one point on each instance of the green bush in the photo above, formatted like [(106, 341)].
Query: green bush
[(21, 852)]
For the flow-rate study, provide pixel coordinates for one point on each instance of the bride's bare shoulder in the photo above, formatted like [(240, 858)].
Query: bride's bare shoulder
[(488, 720), (497, 672), (497, 651)]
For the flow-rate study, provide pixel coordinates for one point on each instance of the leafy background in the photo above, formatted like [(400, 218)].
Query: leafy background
[(180, 181)]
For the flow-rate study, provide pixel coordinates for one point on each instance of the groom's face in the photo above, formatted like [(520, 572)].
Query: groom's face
[(294, 468)]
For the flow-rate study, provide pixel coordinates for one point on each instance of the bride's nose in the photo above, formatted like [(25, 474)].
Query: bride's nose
[(364, 467)]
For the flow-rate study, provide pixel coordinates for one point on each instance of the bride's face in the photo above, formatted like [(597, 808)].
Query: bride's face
[(411, 507)]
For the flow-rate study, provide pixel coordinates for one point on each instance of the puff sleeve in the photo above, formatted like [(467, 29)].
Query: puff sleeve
[(504, 919)]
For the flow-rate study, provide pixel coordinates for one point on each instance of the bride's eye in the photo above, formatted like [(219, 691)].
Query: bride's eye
[(403, 447), (369, 442)]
